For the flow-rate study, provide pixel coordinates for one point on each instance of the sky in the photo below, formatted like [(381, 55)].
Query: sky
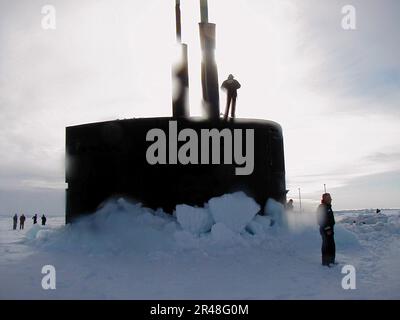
[(335, 92)]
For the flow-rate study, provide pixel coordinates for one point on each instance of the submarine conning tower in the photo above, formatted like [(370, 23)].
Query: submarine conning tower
[(180, 72), (109, 159), (209, 71)]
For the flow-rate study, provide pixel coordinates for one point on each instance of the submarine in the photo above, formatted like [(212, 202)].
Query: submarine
[(110, 159)]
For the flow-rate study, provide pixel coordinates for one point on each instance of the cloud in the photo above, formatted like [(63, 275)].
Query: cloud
[(335, 92), (384, 157), (32, 201), (373, 191), (359, 69)]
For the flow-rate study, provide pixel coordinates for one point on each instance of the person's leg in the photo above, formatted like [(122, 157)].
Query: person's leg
[(233, 107), (324, 249), (228, 102), (330, 249)]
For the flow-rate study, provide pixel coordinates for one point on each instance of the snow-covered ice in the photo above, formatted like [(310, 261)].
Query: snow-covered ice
[(275, 210), (194, 220), (234, 210), (222, 251)]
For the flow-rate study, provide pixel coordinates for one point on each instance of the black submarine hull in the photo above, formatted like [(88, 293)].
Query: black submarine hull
[(108, 159)]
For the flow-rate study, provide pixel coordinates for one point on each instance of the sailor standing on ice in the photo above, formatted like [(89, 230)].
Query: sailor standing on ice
[(326, 222), (231, 86), (44, 219), (15, 222), (22, 221), (34, 218), (289, 205)]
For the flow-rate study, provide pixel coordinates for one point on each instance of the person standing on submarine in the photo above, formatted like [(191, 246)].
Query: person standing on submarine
[(231, 85), (326, 221)]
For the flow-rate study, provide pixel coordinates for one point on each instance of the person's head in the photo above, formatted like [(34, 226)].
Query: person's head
[(231, 77), (326, 198), (291, 201)]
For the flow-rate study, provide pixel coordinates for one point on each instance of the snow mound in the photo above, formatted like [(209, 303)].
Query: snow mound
[(234, 210), (194, 220), (259, 226), (394, 224), (118, 228), (276, 211), (374, 227), (39, 233), (223, 235), (186, 240), (346, 240), (369, 219), (33, 232)]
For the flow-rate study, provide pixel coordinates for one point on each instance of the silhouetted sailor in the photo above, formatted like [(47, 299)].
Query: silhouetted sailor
[(231, 86), (34, 218), (44, 220), (21, 221), (289, 205), (15, 222), (326, 222)]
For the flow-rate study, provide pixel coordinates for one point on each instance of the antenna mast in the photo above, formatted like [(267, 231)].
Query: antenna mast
[(180, 72), (209, 72)]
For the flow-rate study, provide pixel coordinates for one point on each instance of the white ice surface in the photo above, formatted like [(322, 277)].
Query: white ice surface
[(127, 252)]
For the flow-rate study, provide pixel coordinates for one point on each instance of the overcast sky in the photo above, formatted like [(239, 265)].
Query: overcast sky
[(334, 91)]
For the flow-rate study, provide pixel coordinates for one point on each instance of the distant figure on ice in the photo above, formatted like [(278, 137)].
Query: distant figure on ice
[(21, 222), (15, 222), (34, 219), (326, 221), (44, 220), (231, 86), (378, 211), (289, 205)]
